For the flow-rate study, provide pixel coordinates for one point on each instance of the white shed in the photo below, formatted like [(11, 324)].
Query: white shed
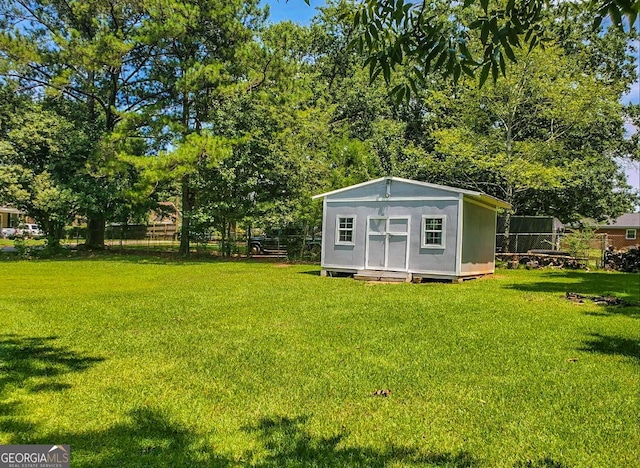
[(392, 228)]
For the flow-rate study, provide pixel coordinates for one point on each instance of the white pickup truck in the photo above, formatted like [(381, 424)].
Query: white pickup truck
[(24, 230)]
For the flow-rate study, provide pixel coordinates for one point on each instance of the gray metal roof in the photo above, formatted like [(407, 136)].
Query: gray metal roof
[(627, 220), (480, 196)]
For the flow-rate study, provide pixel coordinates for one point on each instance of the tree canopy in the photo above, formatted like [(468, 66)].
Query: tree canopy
[(470, 37), (113, 106)]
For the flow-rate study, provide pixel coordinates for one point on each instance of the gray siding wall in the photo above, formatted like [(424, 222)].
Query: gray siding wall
[(478, 239), (402, 189), (434, 260), (420, 260), (373, 190), (347, 256)]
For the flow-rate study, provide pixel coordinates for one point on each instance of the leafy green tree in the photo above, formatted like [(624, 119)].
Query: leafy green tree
[(262, 182), (94, 54), (475, 36), (543, 139), (633, 145), (33, 142), (200, 61), (364, 133)]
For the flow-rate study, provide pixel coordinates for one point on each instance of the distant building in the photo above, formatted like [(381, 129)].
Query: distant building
[(9, 216), (623, 231)]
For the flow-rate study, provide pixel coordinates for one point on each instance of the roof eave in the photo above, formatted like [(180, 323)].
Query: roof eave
[(492, 201), (479, 195), (618, 227), (362, 184), (398, 179)]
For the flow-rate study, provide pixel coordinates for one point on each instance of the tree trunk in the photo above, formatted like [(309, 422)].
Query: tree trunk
[(249, 253), (507, 219), (52, 233), (223, 240), (186, 217), (95, 231), (303, 245), (110, 123), (187, 205), (509, 191), (96, 221), (228, 247)]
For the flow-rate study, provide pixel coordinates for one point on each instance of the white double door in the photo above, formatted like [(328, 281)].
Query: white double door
[(387, 243)]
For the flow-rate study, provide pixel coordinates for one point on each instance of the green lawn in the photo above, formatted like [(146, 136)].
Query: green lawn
[(143, 362), (28, 242)]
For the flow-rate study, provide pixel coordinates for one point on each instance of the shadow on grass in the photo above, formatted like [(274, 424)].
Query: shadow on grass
[(35, 363), (155, 258), (623, 286), (612, 345), (289, 444), (148, 438), (311, 272)]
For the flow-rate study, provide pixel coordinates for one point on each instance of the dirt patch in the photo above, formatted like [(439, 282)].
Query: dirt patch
[(493, 276), (600, 300)]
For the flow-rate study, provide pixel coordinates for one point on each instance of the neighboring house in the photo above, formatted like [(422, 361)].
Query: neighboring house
[(391, 227), (622, 232), (166, 213), (9, 216), (161, 224)]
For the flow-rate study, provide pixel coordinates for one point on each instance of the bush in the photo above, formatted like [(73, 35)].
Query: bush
[(22, 250), (578, 243)]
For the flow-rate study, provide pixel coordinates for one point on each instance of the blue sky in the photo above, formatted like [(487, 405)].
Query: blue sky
[(299, 12), (295, 10)]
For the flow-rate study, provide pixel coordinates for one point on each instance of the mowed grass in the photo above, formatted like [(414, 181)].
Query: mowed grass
[(145, 362)]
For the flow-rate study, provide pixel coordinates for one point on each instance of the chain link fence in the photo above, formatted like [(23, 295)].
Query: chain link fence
[(584, 245), (165, 238), (524, 242)]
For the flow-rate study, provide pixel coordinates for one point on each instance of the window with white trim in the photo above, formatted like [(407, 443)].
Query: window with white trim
[(345, 230), (631, 234), (433, 231)]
